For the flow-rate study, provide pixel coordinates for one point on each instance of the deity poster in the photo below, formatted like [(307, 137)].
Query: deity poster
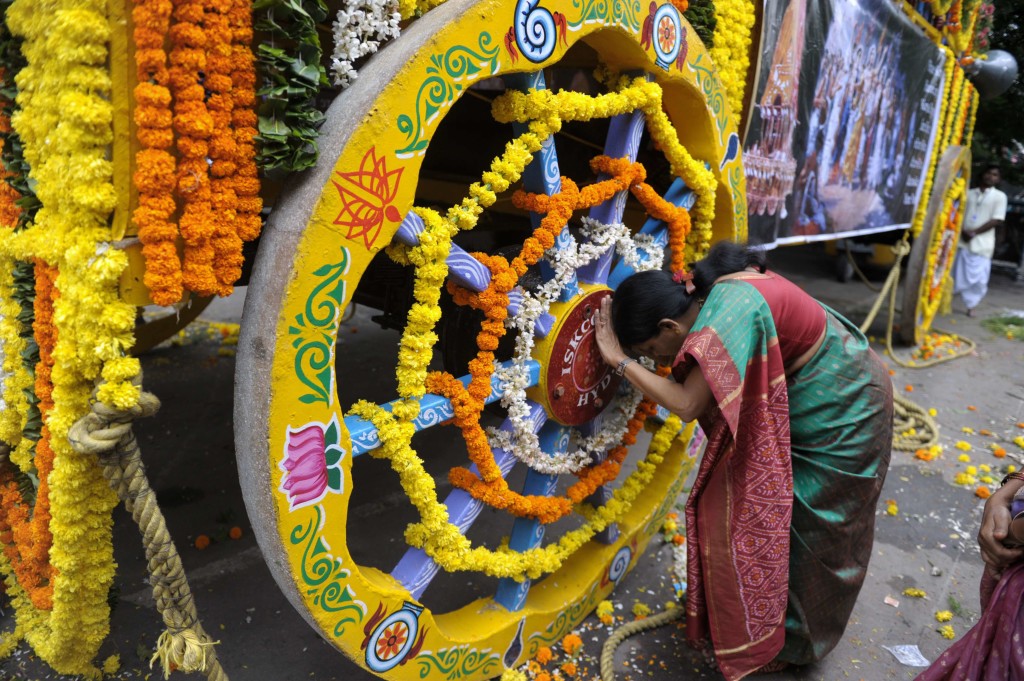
[(844, 118)]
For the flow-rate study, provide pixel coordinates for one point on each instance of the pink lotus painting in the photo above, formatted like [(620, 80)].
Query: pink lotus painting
[(311, 464)]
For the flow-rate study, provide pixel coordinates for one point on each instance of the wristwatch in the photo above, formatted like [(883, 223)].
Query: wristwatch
[(620, 370)]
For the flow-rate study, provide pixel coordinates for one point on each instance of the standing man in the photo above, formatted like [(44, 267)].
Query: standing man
[(986, 210)]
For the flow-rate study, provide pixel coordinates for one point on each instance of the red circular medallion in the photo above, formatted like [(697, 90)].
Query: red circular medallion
[(579, 383)]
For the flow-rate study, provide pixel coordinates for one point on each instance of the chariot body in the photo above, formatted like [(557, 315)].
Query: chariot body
[(481, 182)]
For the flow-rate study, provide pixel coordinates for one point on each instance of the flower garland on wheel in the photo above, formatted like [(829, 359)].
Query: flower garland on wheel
[(65, 123), (543, 112)]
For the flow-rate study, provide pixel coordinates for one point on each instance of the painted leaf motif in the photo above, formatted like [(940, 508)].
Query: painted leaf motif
[(333, 455), (334, 479)]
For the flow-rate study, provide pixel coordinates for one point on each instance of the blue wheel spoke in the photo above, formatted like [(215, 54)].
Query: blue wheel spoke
[(678, 194), (624, 133), (543, 176), (526, 532), (416, 569), (434, 410)]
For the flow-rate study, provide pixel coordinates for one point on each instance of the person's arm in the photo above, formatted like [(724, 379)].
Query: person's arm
[(687, 400), (998, 216), (990, 225), (995, 526)]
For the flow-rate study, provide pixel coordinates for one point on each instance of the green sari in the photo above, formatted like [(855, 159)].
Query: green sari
[(780, 520)]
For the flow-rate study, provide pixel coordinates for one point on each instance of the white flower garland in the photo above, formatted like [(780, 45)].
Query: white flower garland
[(565, 260), (359, 30)]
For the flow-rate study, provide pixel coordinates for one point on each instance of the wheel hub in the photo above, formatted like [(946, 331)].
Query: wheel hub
[(575, 383)]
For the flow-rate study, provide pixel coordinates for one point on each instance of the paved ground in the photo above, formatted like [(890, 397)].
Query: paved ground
[(928, 544)]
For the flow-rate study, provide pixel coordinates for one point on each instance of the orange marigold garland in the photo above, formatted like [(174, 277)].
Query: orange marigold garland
[(489, 486), (194, 126), (9, 196), (27, 539), (226, 244), (155, 166), (243, 78)]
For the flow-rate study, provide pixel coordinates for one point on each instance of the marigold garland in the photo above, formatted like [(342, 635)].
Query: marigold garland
[(26, 538), (190, 44), (248, 222), (926, 191), (225, 241), (155, 166), (731, 49), (65, 125), (931, 294), (446, 544), (641, 95)]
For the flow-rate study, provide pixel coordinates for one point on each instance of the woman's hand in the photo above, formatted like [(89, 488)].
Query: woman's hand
[(607, 341), (995, 525)]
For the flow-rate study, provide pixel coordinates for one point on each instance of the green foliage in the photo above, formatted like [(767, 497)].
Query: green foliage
[(292, 75), (701, 15), (1010, 327), (12, 156), (25, 294)]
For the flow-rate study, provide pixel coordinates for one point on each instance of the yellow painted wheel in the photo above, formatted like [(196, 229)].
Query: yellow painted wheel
[(390, 143), (931, 256)]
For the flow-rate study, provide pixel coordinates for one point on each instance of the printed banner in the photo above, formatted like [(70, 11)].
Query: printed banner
[(846, 111)]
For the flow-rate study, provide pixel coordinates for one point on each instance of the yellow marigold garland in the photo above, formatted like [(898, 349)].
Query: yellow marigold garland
[(637, 95), (931, 298), (26, 536), (446, 544), (18, 379), (65, 124), (731, 51)]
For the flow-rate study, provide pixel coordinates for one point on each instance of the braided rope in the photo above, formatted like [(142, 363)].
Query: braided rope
[(107, 433), (908, 416), (630, 629)]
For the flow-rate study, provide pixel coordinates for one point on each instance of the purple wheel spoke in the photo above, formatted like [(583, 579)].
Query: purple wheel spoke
[(623, 140), (416, 569), (528, 533)]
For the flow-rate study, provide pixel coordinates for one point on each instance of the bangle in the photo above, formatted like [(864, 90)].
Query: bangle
[(620, 370), (1012, 476)]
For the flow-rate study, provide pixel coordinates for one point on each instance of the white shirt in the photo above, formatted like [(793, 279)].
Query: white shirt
[(983, 206)]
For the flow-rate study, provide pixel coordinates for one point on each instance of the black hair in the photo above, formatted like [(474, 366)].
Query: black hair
[(645, 298), (642, 300), (725, 257), (991, 166)]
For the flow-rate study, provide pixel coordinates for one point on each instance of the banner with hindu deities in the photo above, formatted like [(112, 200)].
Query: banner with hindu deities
[(846, 112)]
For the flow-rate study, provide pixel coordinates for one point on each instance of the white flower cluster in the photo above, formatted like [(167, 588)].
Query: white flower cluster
[(679, 568), (359, 30), (566, 258)]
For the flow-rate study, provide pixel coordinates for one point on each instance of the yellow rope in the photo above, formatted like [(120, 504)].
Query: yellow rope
[(107, 433), (629, 629)]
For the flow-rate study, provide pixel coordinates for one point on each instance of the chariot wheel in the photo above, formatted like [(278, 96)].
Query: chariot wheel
[(931, 256), (305, 451)]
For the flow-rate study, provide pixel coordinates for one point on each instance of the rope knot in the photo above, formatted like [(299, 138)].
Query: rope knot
[(99, 431)]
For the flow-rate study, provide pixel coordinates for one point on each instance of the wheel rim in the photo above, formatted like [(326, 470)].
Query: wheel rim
[(317, 248), (932, 255)]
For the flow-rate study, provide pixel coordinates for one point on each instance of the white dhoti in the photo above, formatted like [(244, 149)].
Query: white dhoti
[(970, 276)]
